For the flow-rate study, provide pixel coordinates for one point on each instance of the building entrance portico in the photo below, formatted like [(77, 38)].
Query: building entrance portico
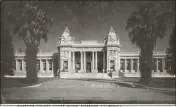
[(88, 56), (87, 62)]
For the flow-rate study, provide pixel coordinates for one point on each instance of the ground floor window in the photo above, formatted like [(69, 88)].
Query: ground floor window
[(20, 64), (121, 64), (78, 67), (38, 65), (112, 65), (44, 64), (50, 65), (128, 64), (135, 65), (160, 65), (65, 66)]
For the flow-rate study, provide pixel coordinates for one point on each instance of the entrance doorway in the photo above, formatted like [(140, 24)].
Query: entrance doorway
[(88, 69)]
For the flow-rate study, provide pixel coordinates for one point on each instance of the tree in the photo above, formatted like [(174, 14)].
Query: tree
[(7, 50), (170, 57), (145, 26), (32, 25)]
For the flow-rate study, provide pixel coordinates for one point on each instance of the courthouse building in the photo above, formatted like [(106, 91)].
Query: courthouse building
[(90, 59)]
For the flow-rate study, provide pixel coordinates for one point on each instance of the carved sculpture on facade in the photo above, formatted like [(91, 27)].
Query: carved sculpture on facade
[(65, 54), (66, 38), (112, 37)]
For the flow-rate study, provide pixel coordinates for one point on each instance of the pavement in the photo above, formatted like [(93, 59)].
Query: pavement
[(85, 91)]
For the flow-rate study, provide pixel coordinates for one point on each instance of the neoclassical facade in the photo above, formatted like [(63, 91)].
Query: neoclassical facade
[(90, 59)]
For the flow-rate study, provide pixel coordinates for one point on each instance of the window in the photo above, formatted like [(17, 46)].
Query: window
[(20, 64), (121, 65), (135, 65), (38, 65), (128, 64), (50, 65), (112, 65), (24, 64), (160, 64), (78, 67), (44, 64), (65, 66)]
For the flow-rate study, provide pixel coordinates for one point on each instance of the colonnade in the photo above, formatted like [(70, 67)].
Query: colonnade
[(83, 60), (135, 61), (42, 64)]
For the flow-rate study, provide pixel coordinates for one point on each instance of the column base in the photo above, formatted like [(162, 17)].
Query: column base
[(94, 71)]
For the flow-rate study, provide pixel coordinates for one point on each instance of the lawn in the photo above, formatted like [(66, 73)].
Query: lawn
[(20, 82), (156, 82), (54, 90)]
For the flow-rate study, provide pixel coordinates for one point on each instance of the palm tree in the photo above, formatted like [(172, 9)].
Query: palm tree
[(32, 26), (170, 57), (145, 26)]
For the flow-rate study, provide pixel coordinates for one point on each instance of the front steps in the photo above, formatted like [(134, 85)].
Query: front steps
[(84, 75)]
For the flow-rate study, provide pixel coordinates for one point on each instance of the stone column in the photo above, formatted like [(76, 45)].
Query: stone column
[(85, 61), (41, 65), (81, 60), (61, 64), (69, 62), (131, 67), (73, 61), (46, 64), (156, 64), (137, 68), (107, 63), (93, 61), (115, 61), (52, 63), (103, 61), (96, 60), (118, 61), (22, 62), (16, 61), (124, 64), (163, 65)]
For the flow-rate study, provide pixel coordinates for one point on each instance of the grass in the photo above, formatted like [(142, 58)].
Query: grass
[(85, 91), (156, 82), (20, 82)]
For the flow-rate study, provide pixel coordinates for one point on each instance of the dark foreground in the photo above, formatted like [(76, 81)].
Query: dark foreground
[(90, 91), (15, 101)]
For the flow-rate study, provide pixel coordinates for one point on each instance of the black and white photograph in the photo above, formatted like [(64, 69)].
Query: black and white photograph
[(88, 52)]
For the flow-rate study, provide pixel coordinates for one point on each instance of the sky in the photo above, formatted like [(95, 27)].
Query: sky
[(88, 26)]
